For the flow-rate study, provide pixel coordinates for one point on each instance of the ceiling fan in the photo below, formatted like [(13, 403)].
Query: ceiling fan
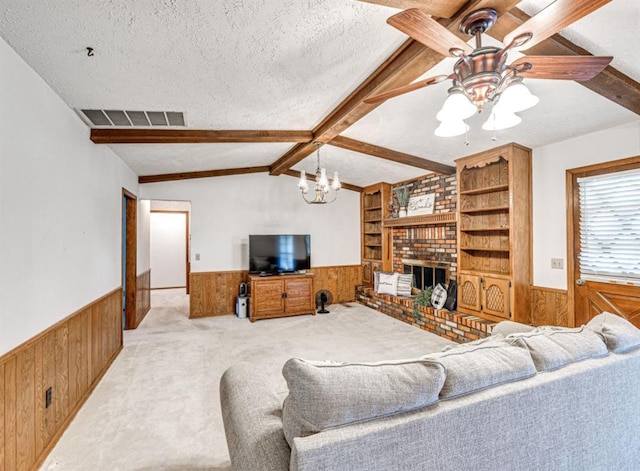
[(481, 75)]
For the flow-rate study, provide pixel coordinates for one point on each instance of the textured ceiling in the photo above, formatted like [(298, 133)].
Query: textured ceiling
[(284, 64)]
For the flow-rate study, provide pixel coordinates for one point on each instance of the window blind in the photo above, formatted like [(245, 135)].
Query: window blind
[(610, 227)]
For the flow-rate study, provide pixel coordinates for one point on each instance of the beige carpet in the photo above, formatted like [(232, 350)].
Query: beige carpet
[(158, 407)]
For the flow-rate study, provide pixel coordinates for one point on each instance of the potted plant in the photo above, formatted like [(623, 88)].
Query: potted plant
[(423, 298), (402, 195)]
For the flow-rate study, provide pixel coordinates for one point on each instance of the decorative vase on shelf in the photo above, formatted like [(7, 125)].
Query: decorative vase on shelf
[(402, 213), (402, 196)]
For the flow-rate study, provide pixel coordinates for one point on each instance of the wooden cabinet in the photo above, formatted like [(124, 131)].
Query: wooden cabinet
[(376, 242), (281, 296), (494, 233)]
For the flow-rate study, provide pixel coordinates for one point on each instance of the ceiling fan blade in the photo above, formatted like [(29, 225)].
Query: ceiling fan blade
[(579, 68), (439, 8), (405, 89), (421, 27), (553, 18)]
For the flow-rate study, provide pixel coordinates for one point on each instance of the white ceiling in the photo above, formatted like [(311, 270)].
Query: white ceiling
[(284, 64)]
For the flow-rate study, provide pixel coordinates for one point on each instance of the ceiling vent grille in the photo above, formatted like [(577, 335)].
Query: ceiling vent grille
[(121, 118)]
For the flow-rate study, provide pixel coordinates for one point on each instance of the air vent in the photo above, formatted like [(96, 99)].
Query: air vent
[(121, 118)]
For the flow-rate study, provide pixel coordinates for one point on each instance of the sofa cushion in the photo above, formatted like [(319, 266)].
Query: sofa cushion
[(618, 334), (328, 394), (505, 328), (481, 364), (553, 347)]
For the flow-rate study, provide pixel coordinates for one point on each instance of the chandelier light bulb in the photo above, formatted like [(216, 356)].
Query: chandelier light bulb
[(517, 97), (324, 183), (456, 107), (335, 184), (451, 128), (302, 184)]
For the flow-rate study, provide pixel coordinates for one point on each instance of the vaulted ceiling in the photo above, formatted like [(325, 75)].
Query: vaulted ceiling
[(260, 81)]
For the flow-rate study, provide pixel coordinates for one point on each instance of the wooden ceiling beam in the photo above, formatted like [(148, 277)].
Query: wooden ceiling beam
[(193, 136), (345, 186), (610, 83), (406, 64), (169, 177), (392, 155)]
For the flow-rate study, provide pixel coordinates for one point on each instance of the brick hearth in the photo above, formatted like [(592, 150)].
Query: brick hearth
[(449, 324)]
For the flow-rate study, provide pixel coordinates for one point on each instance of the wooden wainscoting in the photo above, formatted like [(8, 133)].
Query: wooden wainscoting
[(549, 306), (340, 280), (70, 357), (214, 293), (143, 296)]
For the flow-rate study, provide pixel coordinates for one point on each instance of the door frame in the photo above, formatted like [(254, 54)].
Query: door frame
[(573, 218), (187, 239), (129, 284)]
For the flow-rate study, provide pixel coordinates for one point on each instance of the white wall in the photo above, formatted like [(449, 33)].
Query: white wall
[(225, 210), (143, 256), (60, 207), (549, 192)]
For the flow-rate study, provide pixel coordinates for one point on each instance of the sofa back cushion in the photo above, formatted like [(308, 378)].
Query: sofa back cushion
[(329, 394), (554, 347), (618, 334), (481, 364)]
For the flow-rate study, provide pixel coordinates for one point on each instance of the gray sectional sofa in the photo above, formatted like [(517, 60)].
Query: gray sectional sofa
[(523, 399)]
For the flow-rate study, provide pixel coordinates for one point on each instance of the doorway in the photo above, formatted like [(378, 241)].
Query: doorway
[(603, 251), (169, 249)]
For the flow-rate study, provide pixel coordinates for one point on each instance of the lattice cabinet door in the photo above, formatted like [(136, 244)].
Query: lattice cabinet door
[(469, 292), (495, 294)]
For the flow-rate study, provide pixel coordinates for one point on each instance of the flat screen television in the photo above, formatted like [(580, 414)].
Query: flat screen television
[(281, 253)]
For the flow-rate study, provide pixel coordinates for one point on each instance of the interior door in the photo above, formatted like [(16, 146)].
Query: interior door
[(589, 297)]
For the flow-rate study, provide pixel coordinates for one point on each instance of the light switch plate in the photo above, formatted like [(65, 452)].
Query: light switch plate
[(557, 263), (197, 257)]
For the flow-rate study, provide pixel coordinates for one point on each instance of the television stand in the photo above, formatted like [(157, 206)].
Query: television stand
[(281, 296)]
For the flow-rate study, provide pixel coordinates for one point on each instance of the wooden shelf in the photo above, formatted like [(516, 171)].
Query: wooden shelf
[(488, 189), (368, 208), (485, 229), (483, 249), (421, 220), (372, 245), (484, 210)]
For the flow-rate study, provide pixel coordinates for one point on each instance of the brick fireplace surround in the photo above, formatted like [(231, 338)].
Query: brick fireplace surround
[(428, 243)]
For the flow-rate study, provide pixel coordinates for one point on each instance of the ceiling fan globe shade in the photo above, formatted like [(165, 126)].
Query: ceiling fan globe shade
[(501, 118), (451, 128), (456, 107), (517, 97)]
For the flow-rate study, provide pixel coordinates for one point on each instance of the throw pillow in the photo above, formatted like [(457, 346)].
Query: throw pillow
[(438, 296), (480, 365), (405, 283), (329, 394), (376, 279), (553, 347), (388, 284), (619, 334)]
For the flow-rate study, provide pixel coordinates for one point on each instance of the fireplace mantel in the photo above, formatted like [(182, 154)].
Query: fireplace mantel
[(421, 220)]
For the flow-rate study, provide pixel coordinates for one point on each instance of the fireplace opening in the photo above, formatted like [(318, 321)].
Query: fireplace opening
[(426, 273)]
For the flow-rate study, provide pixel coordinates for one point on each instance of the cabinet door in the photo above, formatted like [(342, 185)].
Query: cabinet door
[(367, 273), (268, 297), (299, 298), (495, 296), (469, 292)]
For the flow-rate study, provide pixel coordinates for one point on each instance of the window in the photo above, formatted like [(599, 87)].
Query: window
[(610, 227)]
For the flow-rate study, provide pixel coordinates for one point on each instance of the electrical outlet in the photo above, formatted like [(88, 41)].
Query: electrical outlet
[(557, 263), (48, 397), (197, 257)]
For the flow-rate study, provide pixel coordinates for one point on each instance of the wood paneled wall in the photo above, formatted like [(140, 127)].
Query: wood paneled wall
[(143, 296), (214, 293), (340, 280), (70, 358), (549, 306)]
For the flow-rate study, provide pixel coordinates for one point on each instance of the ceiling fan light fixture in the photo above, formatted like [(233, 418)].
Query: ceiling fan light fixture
[(451, 128), (517, 97), (501, 118), (456, 107)]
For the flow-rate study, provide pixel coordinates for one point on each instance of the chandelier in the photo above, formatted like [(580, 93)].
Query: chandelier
[(322, 186), (484, 77)]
